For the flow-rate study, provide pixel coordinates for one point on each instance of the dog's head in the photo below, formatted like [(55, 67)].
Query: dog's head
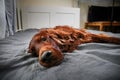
[(46, 49)]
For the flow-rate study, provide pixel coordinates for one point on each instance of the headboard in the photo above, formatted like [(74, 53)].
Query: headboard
[(44, 17)]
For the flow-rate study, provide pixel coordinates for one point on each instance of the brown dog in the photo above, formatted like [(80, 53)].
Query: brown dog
[(48, 44)]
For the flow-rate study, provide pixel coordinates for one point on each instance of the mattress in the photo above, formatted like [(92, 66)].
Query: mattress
[(90, 61)]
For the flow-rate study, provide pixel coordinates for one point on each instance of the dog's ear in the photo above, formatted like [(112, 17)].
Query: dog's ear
[(31, 48)]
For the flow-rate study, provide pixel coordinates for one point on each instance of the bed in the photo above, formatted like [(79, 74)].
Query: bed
[(91, 61)]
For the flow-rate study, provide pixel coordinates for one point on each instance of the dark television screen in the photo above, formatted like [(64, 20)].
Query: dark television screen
[(98, 13), (116, 14)]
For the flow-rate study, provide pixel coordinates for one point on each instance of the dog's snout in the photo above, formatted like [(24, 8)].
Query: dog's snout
[(46, 56)]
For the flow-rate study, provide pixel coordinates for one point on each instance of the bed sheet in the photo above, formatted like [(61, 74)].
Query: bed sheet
[(91, 61)]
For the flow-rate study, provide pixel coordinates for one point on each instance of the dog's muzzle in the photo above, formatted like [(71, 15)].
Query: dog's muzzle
[(46, 56), (50, 57)]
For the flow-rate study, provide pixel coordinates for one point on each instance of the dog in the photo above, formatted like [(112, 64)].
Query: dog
[(49, 43)]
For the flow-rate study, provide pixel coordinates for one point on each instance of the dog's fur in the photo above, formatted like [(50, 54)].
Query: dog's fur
[(62, 39)]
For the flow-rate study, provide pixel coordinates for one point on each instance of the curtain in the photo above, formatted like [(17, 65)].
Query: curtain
[(10, 13), (7, 18), (2, 19)]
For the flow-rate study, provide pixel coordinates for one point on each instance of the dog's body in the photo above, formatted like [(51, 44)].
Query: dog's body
[(49, 43)]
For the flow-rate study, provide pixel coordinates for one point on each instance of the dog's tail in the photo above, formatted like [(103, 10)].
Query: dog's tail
[(105, 38)]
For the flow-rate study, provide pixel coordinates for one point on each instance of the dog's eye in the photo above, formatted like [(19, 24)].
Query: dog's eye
[(79, 36), (43, 39)]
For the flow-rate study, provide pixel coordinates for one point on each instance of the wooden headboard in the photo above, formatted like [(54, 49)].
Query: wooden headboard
[(44, 17)]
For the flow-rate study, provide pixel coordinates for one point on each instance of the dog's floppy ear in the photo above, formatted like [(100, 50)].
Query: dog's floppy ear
[(31, 48)]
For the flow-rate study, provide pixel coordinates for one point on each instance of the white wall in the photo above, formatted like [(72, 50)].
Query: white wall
[(21, 4), (83, 14), (49, 3)]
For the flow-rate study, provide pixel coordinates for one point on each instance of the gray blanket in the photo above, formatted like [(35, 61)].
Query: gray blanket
[(91, 61)]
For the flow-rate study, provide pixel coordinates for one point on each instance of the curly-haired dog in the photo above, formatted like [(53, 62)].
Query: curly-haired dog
[(48, 44)]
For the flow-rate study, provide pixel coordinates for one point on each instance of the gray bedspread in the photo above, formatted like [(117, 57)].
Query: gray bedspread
[(91, 61)]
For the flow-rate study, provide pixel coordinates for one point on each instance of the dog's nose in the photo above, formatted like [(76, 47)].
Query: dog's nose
[(46, 56)]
